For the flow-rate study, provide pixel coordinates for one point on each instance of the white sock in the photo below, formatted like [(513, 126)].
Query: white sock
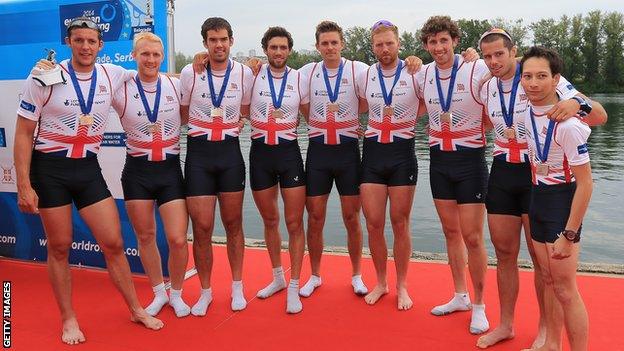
[(358, 285), (180, 308), (278, 283), (293, 303), (478, 322), (199, 308), (460, 302), (313, 283), (160, 299), (238, 297)]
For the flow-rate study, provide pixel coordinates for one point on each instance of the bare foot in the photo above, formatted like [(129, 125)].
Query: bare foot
[(376, 294), (540, 339), (148, 321), (405, 303), (495, 336), (72, 335)]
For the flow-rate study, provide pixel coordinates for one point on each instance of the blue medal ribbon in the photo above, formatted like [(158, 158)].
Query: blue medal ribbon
[(85, 108), (387, 96), (277, 100), (333, 95), (542, 156), (217, 99), (446, 104), (508, 114), (152, 115)]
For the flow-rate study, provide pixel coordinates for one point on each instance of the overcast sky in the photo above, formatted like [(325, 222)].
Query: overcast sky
[(250, 19)]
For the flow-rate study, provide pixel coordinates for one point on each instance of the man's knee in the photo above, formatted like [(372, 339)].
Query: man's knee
[(178, 243), (564, 291), (146, 237), (59, 249), (294, 225), (473, 241)]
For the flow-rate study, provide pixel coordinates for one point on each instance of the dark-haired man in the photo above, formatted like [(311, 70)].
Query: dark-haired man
[(275, 158), (61, 168), (449, 87), (562, 188), (213, 101)]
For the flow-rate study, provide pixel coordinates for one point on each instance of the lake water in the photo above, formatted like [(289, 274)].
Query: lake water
[(602, 240)]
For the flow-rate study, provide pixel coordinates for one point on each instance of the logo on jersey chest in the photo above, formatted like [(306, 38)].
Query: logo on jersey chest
[(74, 102), (523, 97)]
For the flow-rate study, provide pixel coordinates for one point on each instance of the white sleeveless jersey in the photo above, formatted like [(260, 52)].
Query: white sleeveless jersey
[(195, 93), (465, 131), (386, 128), (567, 148), (513, 150), (264, 124), (57, 110), (163, 141), (325, 125)]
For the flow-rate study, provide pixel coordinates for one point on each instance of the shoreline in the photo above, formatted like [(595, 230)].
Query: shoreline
[(606, 269)]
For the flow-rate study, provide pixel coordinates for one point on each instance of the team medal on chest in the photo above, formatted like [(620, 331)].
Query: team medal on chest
[(332, 94), (277, 98), (217, 111), (388, 110), (278, 114), (508, 114), (153, 128), (152, 114), (509, 133), (85, 118), (445, 104), (333, 107), (542, 168)]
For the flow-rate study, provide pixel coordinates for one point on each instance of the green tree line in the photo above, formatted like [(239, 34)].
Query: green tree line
[(591, 45)]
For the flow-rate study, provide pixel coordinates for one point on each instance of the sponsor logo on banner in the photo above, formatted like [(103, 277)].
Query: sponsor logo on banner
[(118, 20)]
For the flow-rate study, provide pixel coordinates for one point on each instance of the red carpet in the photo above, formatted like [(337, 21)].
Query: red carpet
[(332, 319)]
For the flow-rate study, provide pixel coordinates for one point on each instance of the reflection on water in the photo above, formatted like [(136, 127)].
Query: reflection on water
[(601, 242)]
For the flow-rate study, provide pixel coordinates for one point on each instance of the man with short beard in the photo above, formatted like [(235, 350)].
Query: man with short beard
[(449, 86), (275, 158), (213, 101), (389, 169)]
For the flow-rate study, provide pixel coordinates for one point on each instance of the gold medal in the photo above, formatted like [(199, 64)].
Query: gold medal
[(86, 120), (446, 117), (216, 112), (388, 111), (541, 169), (278, 114), (153, 128), (509, 133), (333, 107)]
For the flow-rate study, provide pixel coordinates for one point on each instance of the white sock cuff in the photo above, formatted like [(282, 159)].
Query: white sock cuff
[(174, 292), (237, 283), (294, 283), (206, 291), (462, 295), (478, 307), (277, 271), (158, 288)]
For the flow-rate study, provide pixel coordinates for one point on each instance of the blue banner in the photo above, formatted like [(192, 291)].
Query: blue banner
[(27, 29), (31, 27)]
